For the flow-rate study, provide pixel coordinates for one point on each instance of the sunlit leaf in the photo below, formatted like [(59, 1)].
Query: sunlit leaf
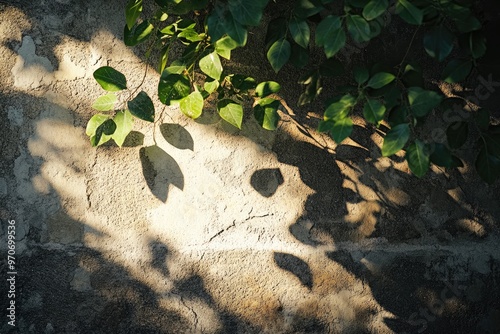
[(192, 105), (173, 87), (132, 12), (211, 65), (105, 102), (265, 88), (124, 124), (231, 112), (110, 79), (266, 113)]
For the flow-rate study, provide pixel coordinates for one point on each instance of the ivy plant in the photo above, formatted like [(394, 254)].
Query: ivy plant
[(395, 100)]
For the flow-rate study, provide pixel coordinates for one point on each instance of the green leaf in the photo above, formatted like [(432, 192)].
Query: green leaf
[(438, 42), (110, 79), (335, 44), (374, 9), (487, 165), (380, 79), (173, 87), (457, 70), (299, 56), (267, 87), (102, 132), (137, 34), (224, 46), (398, 115), (278, 54), (374, 111), (192, 105), (467, 25), (211, 65), (266, 113), (417, 156), (441, 156), (94, 123), (142, 107), (235, 30), (358, 28), (325, 126), (422, 101), (326, 29), (216, 22), (248, 13), (244, 83), (341, 129), (105, 102), (457, 134), (361, 74), (299, 29), (132, 12), (307, 8), (413, 75), (408, 12), (211, 85), (339, 108), (482, 118), (477, 44), (191, 35), (395, 139), (231, 112), (124, 124), (276, 30), (493, 143)]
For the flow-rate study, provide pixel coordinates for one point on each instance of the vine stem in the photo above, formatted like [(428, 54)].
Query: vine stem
[(407, 51)]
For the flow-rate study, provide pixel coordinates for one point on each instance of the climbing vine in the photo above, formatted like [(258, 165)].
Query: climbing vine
[(396, 101)]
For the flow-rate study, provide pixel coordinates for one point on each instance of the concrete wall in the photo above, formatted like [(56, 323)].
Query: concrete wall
[(195, 227)]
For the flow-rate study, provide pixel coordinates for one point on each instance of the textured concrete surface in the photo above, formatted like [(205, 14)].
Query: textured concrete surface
[(195, 227)]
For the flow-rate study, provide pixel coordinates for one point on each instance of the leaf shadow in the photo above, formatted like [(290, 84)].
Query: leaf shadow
[(296, 266), (176, 135), (266, 181), (160, 171)]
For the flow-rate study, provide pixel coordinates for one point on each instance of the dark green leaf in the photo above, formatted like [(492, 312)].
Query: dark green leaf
[(438, 42), (358, 28), (398, 115), (173, 87), (482, 118), (413, 75), (373, 111), (110, 79), (477, 44), (457, 134), (124, 124), (105, 102), (335, 44), (374, 9), (216, 22), (299, 29), (361, 74), (395, 139), (231, 112), (417, 156), (457, 70), (192, 105), (276, 30), (326, 29), (380, 79), (248, 13), (132, 12), (493, 143), (266, 113), (342, 128), (138, 34), (103, 132), (236, 31), (142, 107), (278, 54), (422, 101), (244, 83), (441, 156), (325, 126), (469, 24), (94, 123), (299, 57), (408, 12), (307, 8), (487, 165), (267, 87)]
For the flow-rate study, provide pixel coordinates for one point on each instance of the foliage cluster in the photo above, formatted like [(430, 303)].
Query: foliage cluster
[(209, 30)]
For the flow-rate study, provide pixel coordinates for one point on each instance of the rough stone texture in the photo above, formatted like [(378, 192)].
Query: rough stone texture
[(214, 230)]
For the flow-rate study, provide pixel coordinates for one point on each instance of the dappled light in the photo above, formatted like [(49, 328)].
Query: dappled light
[(197, 226)]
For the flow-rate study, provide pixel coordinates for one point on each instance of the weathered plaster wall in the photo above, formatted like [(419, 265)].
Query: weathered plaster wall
[(214, 230)]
